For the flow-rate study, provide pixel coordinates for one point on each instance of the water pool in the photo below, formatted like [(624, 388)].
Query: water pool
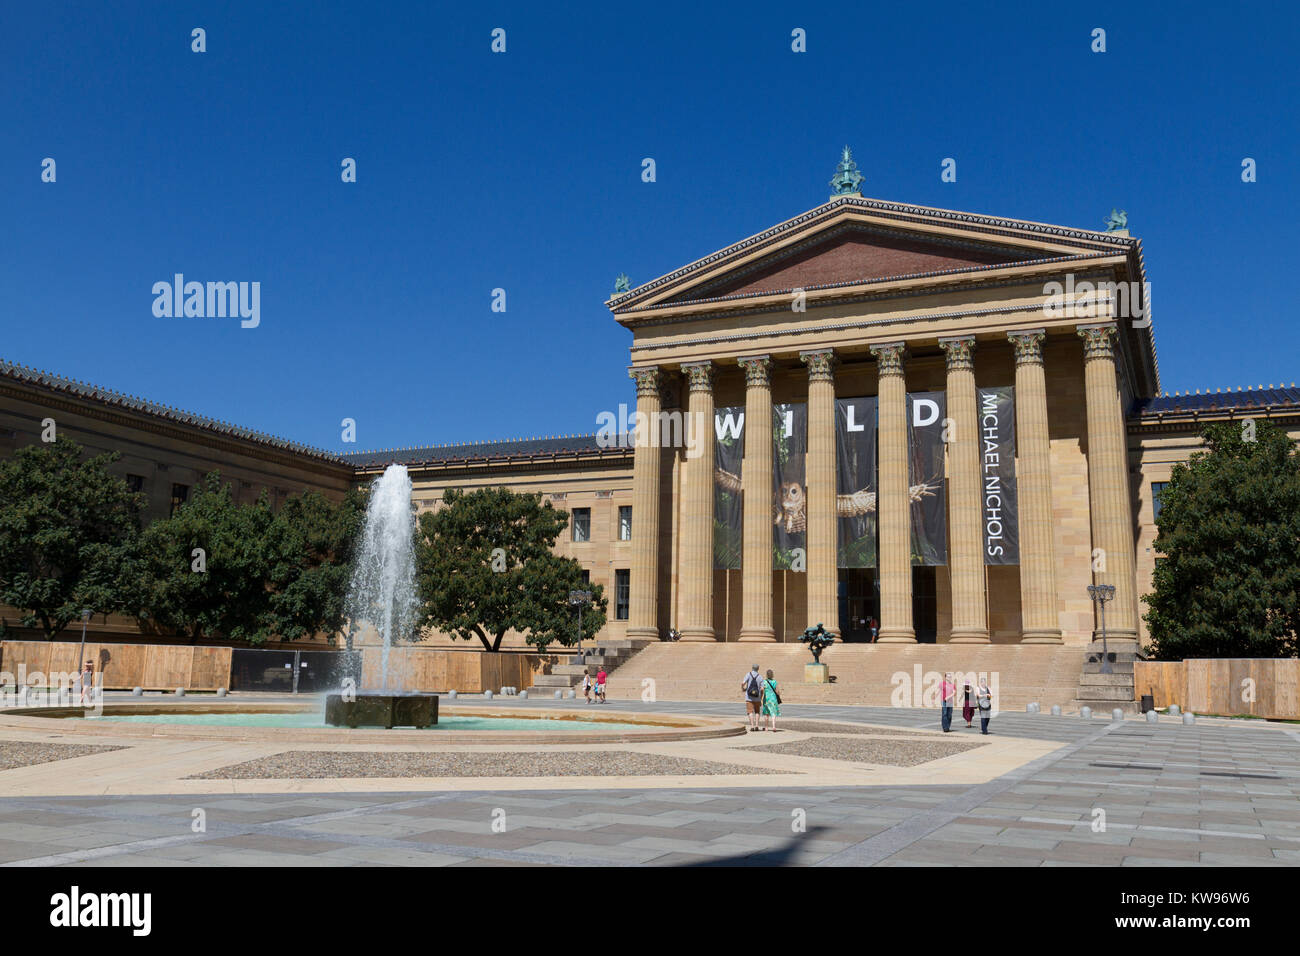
[(314, 721)]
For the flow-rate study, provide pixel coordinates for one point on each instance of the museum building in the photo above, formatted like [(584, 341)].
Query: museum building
[(933, 425)]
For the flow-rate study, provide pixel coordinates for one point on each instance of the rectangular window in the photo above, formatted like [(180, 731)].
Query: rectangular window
[(586, 576), (622, 593), (1156, 488), (625, 522), (135, 484), (581, 524), (180, 494)]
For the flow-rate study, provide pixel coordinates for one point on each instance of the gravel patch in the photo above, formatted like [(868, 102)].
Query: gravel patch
[(19, 753), (317, 764), (832, 727), (895, 753)]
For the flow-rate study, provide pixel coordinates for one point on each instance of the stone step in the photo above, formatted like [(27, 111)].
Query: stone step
[(1102, 708), (1094, 692), (1106, 680), (1117, 667)]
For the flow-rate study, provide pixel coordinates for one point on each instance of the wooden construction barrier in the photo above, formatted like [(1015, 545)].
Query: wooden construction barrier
[(1258, 687)]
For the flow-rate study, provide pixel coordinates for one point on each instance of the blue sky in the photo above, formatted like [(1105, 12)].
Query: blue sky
[(522, 171)]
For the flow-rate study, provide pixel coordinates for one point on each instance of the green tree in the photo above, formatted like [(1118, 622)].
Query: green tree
[(204, 571), (309, 544), (66, 530), (471, 589), (1229, 530)]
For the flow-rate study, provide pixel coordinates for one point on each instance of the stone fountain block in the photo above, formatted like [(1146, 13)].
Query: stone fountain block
[(382, 710)]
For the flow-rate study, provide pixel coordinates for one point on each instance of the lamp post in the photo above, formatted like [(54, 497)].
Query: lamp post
[(81, 654), (1101, 593), (578, 599)]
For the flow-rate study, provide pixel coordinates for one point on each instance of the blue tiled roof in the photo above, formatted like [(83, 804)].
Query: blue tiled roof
[(1259, 398)]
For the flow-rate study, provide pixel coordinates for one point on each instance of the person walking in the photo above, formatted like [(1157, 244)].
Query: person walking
[(751, 685), (985, 700), (875, 629), (600, 685), (967, 709), (586, 686), (87, 680), (771, 701), (947, 692)]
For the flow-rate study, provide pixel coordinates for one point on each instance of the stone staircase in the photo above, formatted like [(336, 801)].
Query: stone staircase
[(1104, 692), (880, 675), (606, 654)]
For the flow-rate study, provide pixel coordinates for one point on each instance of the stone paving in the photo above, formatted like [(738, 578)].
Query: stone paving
[(1126, 793)]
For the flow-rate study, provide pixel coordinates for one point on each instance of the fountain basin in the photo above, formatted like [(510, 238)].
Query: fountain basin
[(366, 709)]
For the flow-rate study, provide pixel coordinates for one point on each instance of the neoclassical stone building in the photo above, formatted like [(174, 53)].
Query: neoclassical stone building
[(966, 431), (860, 299)]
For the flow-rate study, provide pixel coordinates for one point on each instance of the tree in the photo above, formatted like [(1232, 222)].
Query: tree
[(66, 529), (203, 571), (309, 545), (485, 566), (1229, 530)]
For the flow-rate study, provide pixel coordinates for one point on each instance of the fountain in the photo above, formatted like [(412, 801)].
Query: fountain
[(381, 595)]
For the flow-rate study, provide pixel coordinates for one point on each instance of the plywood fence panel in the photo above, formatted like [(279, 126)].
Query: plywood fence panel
[(31, 657), (167, 666), (1165, 680), (210, 668)]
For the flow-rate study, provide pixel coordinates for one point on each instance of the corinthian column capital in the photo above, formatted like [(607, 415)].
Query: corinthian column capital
[(821, 364), (889, 358), (699, 376), (758, 371), (1098, 340), (649, 381), (960, 351), (1028, 345)]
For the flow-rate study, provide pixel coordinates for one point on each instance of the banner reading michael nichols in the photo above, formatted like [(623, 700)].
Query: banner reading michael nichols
[(1000, 518)]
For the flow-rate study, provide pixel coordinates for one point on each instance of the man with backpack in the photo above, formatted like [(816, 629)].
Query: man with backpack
[(752, 686)]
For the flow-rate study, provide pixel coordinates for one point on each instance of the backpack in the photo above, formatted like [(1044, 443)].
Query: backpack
[(753, 689)]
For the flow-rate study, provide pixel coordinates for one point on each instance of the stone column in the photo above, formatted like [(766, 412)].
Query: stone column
[(696, 571), (893, 502), (970, 623), (1108, 490), (1038, 600), (643, 614), (756, 485), (823, 550)]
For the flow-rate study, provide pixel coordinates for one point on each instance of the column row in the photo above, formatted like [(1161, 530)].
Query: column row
[(1110, 510)]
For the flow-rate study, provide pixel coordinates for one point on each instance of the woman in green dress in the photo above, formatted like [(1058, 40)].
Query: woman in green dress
[(771, 701)]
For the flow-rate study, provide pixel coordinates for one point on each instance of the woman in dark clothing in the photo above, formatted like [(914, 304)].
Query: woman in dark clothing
[(967, 708)]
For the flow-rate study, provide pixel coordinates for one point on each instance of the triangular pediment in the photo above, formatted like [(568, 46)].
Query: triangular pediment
[(853, 252), (851, 241)]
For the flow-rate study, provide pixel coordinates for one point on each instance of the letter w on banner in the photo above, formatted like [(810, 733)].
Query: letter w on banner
[(926, 490), (728, 505), (1000, 518)]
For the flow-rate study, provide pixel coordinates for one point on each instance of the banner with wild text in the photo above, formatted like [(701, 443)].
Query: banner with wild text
[(999, 504), (728, 520), (789, 503), (855, 483), (926, 412)]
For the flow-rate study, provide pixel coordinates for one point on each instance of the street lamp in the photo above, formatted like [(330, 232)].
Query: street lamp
[(1101, 593), (578, 599), (81, 655)]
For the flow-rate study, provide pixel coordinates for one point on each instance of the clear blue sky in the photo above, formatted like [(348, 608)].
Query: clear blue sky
[(522, 171)]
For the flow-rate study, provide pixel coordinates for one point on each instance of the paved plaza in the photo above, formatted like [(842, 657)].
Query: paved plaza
[(1062, 791)]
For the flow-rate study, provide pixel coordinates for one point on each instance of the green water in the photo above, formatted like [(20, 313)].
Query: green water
[(310, 720)]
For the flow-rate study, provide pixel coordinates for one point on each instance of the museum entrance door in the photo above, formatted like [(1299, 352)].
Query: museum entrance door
[(859, 592)]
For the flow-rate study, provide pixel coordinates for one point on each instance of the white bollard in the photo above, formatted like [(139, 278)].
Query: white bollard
[(559, 694), (1117, 714), (1152, 717), (221, 692), (180, 691), (570, 694), (1085, 713), (1189, 719), (1174, 710), (487, 694), (137, 691), (1056, 710), (451, 695), (523, 695)]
